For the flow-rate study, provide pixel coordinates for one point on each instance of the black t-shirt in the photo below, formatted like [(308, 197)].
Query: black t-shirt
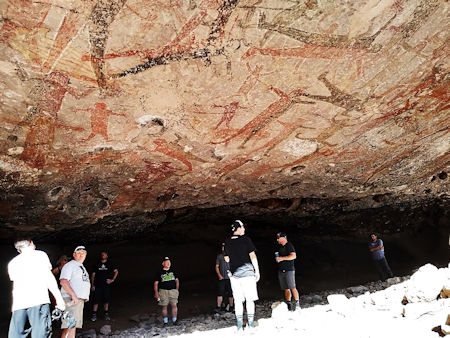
[(238, 249), (166, 279), (284, 251), (103, 271)]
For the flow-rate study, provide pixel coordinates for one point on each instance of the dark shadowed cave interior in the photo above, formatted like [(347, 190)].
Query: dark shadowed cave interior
[(328, 256)]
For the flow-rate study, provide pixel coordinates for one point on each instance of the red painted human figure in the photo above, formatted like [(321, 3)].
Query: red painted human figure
[(43, 118), (99, 120)]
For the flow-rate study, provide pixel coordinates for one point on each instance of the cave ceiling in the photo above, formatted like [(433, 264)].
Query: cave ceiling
[(113, 109)]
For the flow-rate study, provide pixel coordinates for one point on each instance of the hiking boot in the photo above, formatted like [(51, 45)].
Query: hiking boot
[(107, 317), (289, 305), (217, 310), (230, 308), (296, 306), (94, 317)]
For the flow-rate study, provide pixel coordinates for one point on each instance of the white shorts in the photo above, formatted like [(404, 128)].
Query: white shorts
[(244, 288)]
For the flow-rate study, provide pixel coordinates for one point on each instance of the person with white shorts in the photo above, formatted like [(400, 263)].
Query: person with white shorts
[(244, 273)]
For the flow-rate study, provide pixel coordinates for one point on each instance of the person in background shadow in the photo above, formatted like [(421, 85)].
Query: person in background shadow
[(104, 273), (286, 270), (223, 284), (376, 249)]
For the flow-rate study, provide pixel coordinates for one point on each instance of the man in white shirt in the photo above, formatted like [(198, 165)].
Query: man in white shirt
[(30, 271), (75, 289)]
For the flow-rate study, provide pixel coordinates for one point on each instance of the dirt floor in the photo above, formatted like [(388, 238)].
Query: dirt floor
[(322, 264)]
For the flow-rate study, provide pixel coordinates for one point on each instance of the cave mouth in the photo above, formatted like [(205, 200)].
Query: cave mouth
[(330, 255)]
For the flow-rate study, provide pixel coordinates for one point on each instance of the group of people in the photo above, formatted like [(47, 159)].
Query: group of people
[(33, 276), (236, 266)]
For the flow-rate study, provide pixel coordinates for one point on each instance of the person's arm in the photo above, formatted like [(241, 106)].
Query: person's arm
[(177, 283), (92, 281), (290, 257), (155, 287), (52, 285), (255, 264), (116, 272), (379, 247), (219, 275), (66, 286)]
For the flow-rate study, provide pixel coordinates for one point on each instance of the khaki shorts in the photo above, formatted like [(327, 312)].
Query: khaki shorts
[(75, 311), (168, 296)]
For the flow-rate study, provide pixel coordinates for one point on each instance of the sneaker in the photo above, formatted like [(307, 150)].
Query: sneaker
[(175, 323), (107, 317), (297, 306), (94, 317)]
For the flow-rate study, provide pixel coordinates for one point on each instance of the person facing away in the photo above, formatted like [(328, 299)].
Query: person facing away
[(376, 249), (30, 272), (244, 273), (223, 284), (166, 286), (75, 289), (286, 270), (104, 273)]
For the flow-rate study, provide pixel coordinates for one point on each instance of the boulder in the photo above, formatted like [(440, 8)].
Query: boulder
[(425, 284)]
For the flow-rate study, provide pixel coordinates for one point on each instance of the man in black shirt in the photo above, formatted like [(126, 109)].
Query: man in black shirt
[(244, 273), (166, 285), (103, 275), (286, 270)]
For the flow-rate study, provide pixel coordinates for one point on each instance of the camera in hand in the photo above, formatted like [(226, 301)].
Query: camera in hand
[(58, 314)]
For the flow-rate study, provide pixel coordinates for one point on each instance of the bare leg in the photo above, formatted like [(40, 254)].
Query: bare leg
[(68, 333), (164, 311), (287, 295), (295, 294), (219, 301), (174, 310)]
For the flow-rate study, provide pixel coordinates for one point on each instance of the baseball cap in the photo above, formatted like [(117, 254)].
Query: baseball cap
[(80, 248), (236, 225), (281, 234), (166, 259)]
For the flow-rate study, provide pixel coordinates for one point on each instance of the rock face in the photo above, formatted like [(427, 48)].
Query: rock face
[(113, 109)]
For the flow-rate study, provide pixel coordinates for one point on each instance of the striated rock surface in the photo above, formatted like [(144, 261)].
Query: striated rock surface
[(117, 112)]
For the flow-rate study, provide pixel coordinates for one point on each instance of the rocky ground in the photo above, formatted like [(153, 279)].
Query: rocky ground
[(409, 306)]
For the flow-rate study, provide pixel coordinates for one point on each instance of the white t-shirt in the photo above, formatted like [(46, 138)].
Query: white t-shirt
[(78, 278), (31, 273)]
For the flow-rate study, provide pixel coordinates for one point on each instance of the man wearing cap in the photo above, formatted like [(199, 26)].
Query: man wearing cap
[(286, 270), (104, 274), (30, 272), (166, 285), (75, 289), (244, 273), (224, 286)]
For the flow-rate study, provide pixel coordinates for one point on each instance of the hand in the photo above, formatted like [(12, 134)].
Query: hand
[(61, 305), (257, 276), (157, 296), (109, 281), (92, 288), (75, 300), (278, 259)]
